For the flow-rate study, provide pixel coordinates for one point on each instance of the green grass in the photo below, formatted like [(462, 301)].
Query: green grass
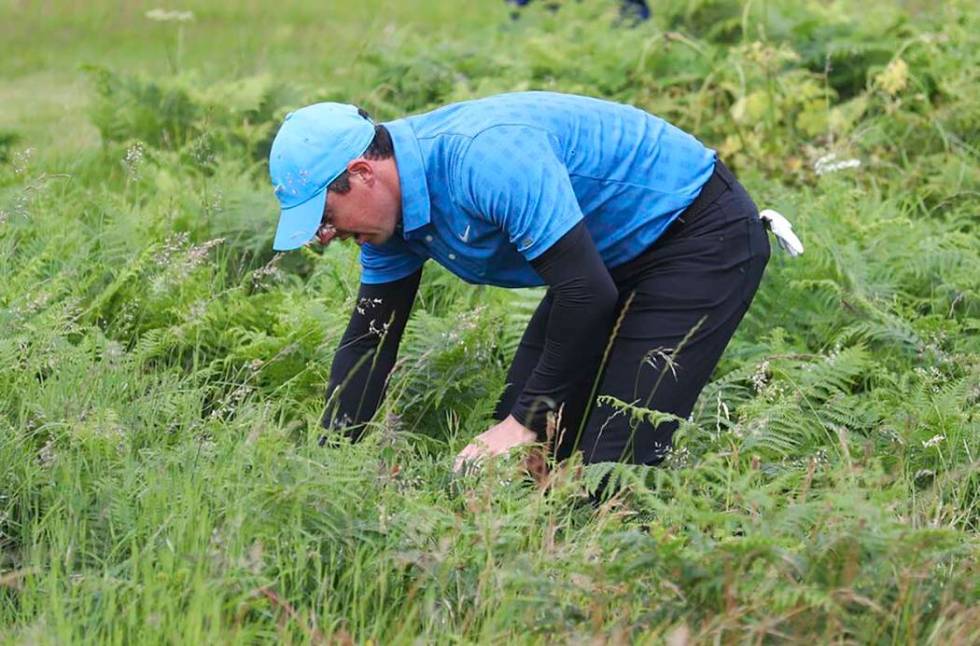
[(163, 370)]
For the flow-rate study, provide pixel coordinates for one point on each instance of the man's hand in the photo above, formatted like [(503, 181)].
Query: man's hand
[(499, 439)]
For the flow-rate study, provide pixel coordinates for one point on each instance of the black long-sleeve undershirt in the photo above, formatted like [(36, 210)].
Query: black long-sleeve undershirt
[(584, 299), (583, 306), (367, 353)]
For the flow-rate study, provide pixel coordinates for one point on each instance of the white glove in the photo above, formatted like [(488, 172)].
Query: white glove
[(783, 230)]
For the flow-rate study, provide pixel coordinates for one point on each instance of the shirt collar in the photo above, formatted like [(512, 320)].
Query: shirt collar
[(411, 176)]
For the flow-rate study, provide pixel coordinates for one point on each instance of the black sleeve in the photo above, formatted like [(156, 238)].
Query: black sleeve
[(366, 354), (584, 304)]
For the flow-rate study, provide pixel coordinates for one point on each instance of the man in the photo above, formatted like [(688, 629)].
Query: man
[(650, 249)]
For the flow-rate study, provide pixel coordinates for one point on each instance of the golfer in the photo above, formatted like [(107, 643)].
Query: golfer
[(651, 252)]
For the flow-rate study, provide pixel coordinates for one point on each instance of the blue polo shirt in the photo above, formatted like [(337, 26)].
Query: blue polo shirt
[(489, 185)]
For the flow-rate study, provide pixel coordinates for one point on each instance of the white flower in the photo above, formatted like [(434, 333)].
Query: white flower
[(933, 441), (759, 378), (22, 160), (163, 15), (826, 164), (134, 160)]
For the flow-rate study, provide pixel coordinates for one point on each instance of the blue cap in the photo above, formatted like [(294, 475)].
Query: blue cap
[(311, 149)]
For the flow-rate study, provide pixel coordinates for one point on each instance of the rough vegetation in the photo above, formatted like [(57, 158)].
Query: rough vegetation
[(163, 370)]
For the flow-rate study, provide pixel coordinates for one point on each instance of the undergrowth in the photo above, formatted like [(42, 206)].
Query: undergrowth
[(160, 475)]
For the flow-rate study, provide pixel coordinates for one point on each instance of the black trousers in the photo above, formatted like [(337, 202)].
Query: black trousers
[(679, 304)]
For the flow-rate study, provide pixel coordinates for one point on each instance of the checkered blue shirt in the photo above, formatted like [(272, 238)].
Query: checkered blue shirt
[(489, 185)]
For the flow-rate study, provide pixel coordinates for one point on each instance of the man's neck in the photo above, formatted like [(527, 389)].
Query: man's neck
[(392, 182)]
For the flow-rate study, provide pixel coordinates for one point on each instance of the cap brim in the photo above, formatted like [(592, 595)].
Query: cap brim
[(298, 225)]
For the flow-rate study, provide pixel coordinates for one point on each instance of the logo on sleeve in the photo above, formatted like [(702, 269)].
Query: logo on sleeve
[(465, 235)]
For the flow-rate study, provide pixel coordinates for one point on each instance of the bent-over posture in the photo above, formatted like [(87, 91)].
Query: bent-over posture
[(634, 226)]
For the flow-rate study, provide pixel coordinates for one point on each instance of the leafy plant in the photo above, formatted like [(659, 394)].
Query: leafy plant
[(160, 472)]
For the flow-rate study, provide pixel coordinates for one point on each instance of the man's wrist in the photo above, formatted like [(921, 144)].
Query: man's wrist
[(533, 418), (522, 432)]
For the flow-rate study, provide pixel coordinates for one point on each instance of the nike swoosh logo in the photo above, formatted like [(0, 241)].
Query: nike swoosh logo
[(465, 235)]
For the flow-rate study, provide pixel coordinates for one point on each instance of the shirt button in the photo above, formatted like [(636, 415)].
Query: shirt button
[(452, 256), (428, 238)]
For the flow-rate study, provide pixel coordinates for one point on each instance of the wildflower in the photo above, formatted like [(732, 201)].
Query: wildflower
[(228, 406), (133, 161), (894, 78), (761, 376), (171, 245), (214, 202), (269, 271), (37, 303), (378, 331), (196, 255), (163, 15), (364, 303), (678, 458), (22, 160), (202, 150), (177, 272), (935, 440), (826, 164)]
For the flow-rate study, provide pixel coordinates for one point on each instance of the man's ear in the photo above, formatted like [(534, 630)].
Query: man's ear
[(361, 169)]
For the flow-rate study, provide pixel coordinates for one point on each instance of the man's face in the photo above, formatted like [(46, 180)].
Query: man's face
[(368, 212)]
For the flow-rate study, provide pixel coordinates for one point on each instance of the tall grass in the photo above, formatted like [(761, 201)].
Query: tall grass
[(160, 476)]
